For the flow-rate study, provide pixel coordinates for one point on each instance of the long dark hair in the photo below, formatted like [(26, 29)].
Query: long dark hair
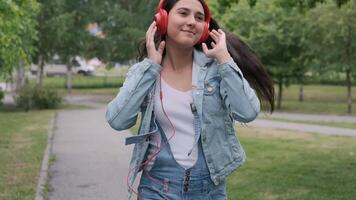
[(243, 55)]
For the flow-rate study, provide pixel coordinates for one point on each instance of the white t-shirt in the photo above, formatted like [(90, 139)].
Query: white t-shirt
[(176, 104)]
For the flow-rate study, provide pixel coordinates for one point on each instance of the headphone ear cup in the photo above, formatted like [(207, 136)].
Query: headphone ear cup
[(161, 18), (205, 34)]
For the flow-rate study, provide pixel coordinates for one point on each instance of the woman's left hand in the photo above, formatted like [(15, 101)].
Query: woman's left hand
[(219, 49)]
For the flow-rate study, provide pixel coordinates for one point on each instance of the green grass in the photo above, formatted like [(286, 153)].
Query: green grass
[(319, 93), (332, 124), (85, 82), (134, 129), (96, 91), (288, 165), (23, 139), (320, 99)]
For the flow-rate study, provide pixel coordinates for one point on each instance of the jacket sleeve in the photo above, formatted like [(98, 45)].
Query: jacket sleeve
[(238, 96), (122, 111)]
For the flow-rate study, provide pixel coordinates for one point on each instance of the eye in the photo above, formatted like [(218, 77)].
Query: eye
[(183, 13), (200, 18)]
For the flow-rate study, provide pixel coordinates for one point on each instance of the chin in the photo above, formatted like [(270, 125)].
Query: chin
[(188, 43)]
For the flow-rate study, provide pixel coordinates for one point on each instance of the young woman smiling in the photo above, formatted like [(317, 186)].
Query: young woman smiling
[(192, 82)]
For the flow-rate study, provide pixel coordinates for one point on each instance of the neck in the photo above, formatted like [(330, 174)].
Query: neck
[(178, 59)]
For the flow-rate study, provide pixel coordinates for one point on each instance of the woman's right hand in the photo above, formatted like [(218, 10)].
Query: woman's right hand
[(154, 54)]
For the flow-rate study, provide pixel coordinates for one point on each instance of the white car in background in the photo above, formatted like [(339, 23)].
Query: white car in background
[(81, 66), (56, 68)]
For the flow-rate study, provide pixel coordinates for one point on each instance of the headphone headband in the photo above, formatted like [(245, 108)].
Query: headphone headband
[(162, 20), (205, 6)]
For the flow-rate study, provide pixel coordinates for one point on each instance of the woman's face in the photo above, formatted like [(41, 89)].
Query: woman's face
[(185, 23)]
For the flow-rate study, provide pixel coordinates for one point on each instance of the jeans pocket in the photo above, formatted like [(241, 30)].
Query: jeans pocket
[(150, 189), (217, 192)]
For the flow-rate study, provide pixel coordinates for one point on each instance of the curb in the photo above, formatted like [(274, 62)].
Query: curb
[(43, 177)]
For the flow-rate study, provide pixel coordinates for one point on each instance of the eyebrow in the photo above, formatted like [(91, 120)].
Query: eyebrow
[(187, 9)]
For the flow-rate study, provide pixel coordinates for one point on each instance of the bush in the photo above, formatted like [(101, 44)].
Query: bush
[(30, 97)]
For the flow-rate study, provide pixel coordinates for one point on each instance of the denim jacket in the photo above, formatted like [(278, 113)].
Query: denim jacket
[(221, 95)]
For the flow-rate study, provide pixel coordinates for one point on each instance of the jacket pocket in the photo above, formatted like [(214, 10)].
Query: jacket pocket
[(212, 98)]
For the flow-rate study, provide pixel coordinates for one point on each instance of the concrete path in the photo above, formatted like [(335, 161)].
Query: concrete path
[(310, 117), (91, 161), (262, 123)]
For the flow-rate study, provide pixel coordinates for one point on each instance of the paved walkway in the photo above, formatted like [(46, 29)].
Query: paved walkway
[(310, 117), (91, 161), (262, 123)]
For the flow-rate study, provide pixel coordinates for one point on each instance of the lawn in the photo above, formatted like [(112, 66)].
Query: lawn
[(90, 82), (23, 139), (321, 99), (293, 165)]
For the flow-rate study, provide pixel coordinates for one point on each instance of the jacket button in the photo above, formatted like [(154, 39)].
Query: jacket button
[(210, 89)]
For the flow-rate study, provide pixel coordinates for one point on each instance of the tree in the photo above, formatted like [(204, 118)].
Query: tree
[(17, 35), (124, 24), (332, 34), (275, 34), (48, 26)]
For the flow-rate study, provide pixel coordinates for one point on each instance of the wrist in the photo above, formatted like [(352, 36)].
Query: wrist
[(223, 58)]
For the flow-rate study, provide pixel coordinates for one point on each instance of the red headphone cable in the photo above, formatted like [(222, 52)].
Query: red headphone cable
[(159, 149)]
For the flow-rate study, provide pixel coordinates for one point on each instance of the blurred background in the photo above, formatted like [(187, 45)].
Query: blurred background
[(58, 56)]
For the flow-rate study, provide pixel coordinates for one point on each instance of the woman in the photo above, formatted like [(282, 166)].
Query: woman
[(193, 81)]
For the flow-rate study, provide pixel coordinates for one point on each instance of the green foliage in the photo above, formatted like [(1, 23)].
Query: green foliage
[(35, 97), (44, 98), (332, 32), (50, 25), (274, 32), (124, 24), (18, 33)]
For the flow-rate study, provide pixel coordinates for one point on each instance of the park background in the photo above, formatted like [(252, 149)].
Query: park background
[(307, 46)]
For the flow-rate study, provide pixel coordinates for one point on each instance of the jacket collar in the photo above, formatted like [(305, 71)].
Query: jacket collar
[(200, 58)]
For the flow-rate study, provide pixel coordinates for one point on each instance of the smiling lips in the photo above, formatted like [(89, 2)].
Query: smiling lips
[(187, 31)]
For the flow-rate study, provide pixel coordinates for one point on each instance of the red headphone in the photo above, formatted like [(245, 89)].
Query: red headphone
[(161, 18)]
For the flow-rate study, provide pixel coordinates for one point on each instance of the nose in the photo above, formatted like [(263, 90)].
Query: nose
[(191, 21)]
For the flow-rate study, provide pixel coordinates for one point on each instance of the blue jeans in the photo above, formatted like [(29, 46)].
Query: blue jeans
[(168, 180)]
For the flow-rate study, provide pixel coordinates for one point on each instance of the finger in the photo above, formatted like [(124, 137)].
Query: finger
[(212, 35), (150, 28), (152, 35), (150, 38), (205, 48), (222, 33), (215, 35), (161, 47), (213, 44)]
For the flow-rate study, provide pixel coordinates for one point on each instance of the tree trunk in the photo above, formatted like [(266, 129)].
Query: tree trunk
[(40, 70), (279, 103), (348, 71), (69, 76), (349, 94), (20, 76), (301, 92)]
